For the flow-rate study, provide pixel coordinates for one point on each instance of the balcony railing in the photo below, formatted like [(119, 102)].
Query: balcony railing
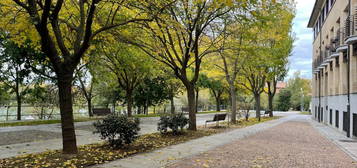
[(350, 28), (323, 56)]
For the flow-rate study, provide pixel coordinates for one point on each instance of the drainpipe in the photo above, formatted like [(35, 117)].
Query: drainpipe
[(320, 76), (348, 71)]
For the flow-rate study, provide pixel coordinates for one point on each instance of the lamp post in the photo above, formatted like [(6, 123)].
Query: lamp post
[(302, 100)]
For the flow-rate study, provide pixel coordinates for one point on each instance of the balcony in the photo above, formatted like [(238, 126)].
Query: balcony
[(325, 57), (338, 43), (350, 29)]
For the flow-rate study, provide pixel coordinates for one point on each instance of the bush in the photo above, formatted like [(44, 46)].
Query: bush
[(175, 122), (118, 129)]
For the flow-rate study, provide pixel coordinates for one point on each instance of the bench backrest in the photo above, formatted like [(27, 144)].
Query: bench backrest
[(184, 109), (101, 111), (219, 117)]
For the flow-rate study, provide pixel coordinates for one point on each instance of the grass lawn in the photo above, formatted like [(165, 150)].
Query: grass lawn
[(39, 122), (93, 154), (160, 114), (208, 112), (305, 113), (147, 115)]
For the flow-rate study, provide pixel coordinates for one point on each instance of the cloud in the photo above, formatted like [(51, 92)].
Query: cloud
[(301, 58)]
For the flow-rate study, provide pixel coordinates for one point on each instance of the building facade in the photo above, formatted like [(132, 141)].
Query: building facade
[(334, 83)]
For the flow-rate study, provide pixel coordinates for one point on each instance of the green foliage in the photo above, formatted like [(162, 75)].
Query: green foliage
[(300, 89), (5, 96), (118, 130), (175, 122), (284, 99), (15, 70), (151, 91)]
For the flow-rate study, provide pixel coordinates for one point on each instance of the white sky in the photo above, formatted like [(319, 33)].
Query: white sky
[(301, 57)]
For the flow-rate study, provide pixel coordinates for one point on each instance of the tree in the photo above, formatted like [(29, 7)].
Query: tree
[(4, 95), (150, 92), (14, 71), (232, 56), (174, 86), (41, 96), (86, 81), (217, 89), (265, 64), (300, 89), (255, 76), (284, 103), (202, 82), (180, 37), (64, 31), (281, 44), (129, 65)]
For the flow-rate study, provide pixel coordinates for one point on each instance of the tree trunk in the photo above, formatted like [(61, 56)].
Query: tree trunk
[(270, 102), (42, 112), (218, 104), (196, 99), (146, 109), (233, 95), (129, 103), (191, 107), (139, 110), (257, 106), (114, 105), (89, 107), (172, 105), (65, 101), (19, 103)]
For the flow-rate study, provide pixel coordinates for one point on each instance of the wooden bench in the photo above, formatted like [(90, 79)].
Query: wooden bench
[(101, 111), (217, 118)]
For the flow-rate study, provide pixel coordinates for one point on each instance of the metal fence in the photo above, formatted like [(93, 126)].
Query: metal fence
[(9, 113)]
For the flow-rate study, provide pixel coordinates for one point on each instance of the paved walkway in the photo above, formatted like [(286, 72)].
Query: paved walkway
[(348, 145), (291, 141), (33, 139), (162, 157)]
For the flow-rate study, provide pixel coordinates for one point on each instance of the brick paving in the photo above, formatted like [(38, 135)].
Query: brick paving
[(292, 144)]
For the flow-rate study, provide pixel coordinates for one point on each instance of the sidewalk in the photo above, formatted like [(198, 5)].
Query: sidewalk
[(38, 138), (348, 145), (165, 156)]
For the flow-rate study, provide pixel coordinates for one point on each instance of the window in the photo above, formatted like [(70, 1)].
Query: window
[(337, 61), (331, 116), (315, 112), (331, 66), (337, 120), (346, 122), (327, 8), (354, 132)]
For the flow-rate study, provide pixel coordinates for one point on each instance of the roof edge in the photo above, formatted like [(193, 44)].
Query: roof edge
[(315, 12)]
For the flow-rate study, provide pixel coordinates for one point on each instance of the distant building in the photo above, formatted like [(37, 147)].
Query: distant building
[(334, 83), (280, 85)]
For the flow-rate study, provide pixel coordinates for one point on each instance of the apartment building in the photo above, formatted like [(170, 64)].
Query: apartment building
[(334, 83)]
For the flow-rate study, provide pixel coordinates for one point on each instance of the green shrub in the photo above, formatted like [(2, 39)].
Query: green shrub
[(118, 129), (175, 122)]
